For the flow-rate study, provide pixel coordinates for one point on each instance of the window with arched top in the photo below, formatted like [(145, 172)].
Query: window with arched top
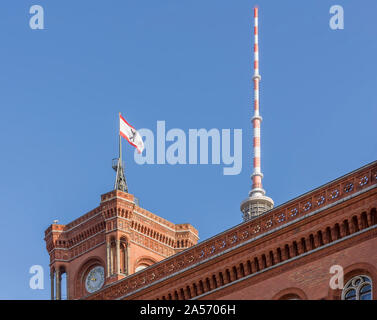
[(358, 288)]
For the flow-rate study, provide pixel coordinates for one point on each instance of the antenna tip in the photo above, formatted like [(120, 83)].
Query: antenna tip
[(256, 11)]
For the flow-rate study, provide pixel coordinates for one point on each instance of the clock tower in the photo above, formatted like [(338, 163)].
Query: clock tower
[(110, 242)]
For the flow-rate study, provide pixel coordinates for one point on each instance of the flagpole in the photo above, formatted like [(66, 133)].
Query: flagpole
[(120, 141), (120, 181)]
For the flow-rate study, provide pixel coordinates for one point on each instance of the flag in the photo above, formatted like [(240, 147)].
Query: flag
[(129, 133)]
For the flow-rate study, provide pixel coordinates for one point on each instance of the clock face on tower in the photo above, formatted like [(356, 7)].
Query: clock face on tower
[(95, 279)]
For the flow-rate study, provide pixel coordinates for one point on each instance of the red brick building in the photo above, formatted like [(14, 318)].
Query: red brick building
[(116, 239), (285, 253)]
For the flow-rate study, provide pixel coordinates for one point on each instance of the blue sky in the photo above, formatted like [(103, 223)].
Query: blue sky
[(188, 63)]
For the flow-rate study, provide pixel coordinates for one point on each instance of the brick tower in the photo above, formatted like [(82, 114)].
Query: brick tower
[(114, 240)]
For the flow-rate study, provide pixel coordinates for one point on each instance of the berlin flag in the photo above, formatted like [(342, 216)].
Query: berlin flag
[(129, 133)]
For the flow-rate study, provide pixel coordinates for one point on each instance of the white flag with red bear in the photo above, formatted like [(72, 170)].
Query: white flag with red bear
[(129, 133)]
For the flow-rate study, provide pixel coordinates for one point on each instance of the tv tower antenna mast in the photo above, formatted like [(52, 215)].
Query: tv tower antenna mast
[(257, 202)]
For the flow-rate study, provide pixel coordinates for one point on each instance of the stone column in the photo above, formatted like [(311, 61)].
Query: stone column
[(292, 250), (369, 218), (182, 294), (111, 260), (118, 256), (360, 222), (186, 295), (299, 247), (108, 258), (275, 255), (126, 260), (67, 283), (232, 275), (325, 237), (343, 230), (352, 226), (316, 240), (254, 266), (52, 276), (207, 285), (270, 258), (334, 233), (239, 272), (285, 253), (58, 279), (266, 261), (331, 234), (192, 291), (200, 286), (213, 281), (309, 243)]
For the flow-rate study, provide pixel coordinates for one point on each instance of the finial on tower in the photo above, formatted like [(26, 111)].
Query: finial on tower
[(118, 166), (257, 202)]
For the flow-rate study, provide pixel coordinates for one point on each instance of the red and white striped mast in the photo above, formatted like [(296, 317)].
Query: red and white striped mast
[(257, 202)]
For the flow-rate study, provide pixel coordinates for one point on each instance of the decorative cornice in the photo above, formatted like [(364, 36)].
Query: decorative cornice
[(301, 256)]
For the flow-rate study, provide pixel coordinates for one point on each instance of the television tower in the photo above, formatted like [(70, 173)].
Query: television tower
[(257, 202)]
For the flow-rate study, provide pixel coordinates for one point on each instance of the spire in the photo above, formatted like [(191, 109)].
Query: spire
[(257, 202), (118, 166)]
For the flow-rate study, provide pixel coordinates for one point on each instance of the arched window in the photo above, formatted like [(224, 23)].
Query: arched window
[(358, 288), (123, 257)]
